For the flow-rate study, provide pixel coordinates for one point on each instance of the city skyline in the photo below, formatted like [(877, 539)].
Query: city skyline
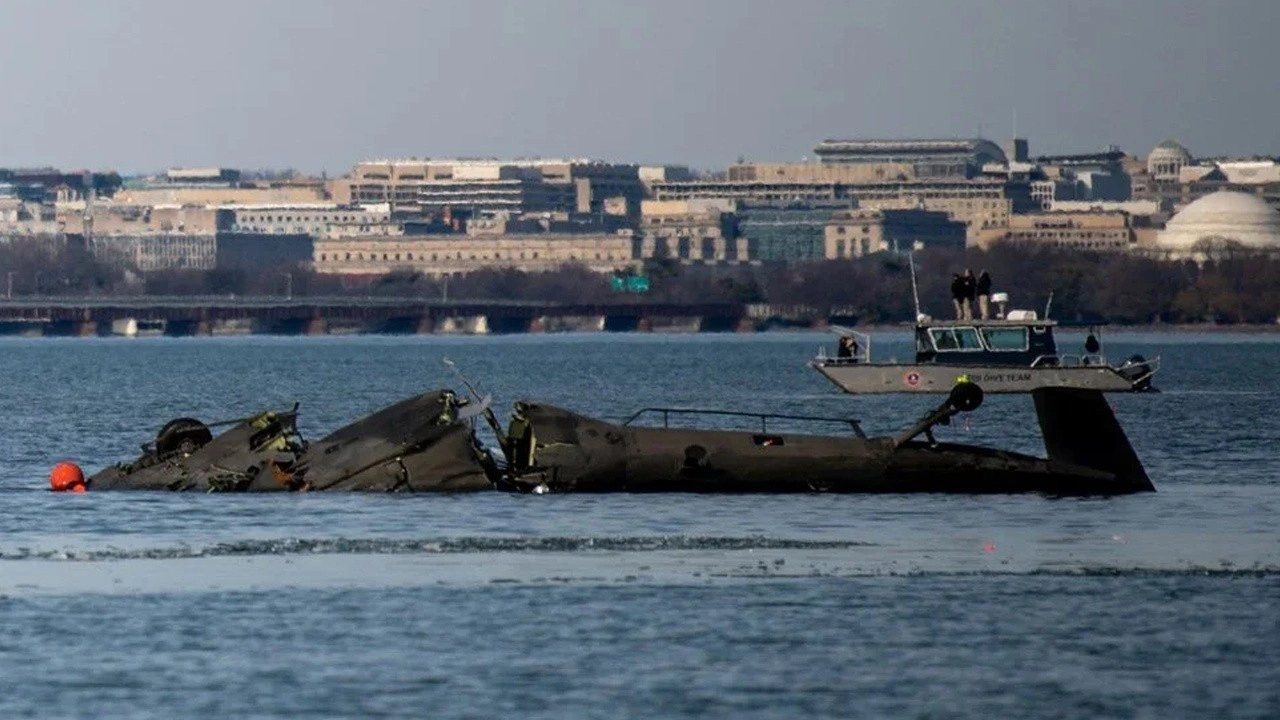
[(139, 86)]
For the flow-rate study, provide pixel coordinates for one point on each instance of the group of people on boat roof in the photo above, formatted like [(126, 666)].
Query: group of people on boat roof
[(968, 291)]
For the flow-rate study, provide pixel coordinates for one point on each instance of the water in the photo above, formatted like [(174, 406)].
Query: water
[(175, 605)]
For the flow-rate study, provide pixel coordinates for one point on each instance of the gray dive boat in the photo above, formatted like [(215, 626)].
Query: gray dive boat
[(1015, 353)]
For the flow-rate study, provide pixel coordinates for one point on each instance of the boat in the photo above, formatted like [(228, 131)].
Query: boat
[(1015, 352), (563, 451)]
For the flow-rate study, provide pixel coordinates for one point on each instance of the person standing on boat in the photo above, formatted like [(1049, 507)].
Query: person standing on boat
[(984, 294), (845, 349), (957, 294), (970, 284)]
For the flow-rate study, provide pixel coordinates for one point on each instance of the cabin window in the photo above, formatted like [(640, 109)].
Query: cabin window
[(922, 343), (943, 338), (967, 338), (962, 338), (1005, 339)]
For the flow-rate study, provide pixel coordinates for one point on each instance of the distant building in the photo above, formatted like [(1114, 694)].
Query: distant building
[(1087, 176), (1256, 177), (202, 194), (1167, 160), (941, 158), (650, 174), (47, 185), (110, 218), (1135, 208), (20, 218), (258, 251), (692, 231), (158, 251), (787, 232), (215, 175), (473, 187), (315, 219), (855, 233), (150, 252), (452, 254), (984, 206), (808, 173), (1222, 218), (1089, 230), (983, 203)]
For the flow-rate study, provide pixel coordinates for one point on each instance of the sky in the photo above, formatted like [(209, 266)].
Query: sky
[(318, 85)]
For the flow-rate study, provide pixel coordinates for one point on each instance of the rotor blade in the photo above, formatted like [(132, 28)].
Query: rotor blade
[(471, 410)]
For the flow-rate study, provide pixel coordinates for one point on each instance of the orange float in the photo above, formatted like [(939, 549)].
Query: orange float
[(66, 477)]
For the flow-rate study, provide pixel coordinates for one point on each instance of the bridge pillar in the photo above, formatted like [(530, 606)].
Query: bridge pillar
[(234, 326), (126, 327), (315, 326), (476, 325)]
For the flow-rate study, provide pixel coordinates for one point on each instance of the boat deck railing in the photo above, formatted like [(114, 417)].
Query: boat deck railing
[(1136, 371), (763, 418), (1084, 360)]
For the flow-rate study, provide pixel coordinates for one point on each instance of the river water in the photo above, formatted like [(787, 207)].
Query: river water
[(560, 606)]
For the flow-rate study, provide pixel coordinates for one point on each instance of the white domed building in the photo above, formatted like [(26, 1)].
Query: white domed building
[(1167, 160), (1225, 217)]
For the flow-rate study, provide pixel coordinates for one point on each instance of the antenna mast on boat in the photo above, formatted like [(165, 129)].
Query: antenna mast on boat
[(915, 292), (1047, 304)]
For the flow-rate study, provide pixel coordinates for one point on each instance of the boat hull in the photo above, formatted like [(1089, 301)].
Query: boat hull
[(928, 378)]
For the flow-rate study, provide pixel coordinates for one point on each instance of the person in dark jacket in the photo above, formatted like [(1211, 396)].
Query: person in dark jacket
[(957, 294), (845, 349), (984, 294), (970, 284)]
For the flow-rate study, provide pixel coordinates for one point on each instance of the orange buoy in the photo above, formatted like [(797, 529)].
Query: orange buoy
[(66, 477)]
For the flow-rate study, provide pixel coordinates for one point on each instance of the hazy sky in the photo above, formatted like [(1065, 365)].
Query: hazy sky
[(320, 84)]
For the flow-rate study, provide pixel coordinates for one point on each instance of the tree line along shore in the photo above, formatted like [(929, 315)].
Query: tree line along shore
[(1227, 287)]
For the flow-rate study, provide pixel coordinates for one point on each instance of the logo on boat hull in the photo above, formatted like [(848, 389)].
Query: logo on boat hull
[(911, 379)]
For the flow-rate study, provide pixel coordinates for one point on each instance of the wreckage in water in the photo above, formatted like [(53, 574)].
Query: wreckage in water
[(1087, 454), (429, 443), (420, 444)]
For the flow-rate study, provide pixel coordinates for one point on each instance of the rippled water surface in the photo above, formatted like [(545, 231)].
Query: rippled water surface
[(177, 605)]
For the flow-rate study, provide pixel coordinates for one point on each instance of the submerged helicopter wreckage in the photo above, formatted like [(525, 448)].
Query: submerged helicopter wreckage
[(429, 443), (423, 443), (1088, 454)]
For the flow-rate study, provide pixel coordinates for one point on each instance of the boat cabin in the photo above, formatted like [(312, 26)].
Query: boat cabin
[(1018, 340)]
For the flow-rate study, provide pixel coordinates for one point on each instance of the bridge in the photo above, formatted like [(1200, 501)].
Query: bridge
[(226, 315)]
